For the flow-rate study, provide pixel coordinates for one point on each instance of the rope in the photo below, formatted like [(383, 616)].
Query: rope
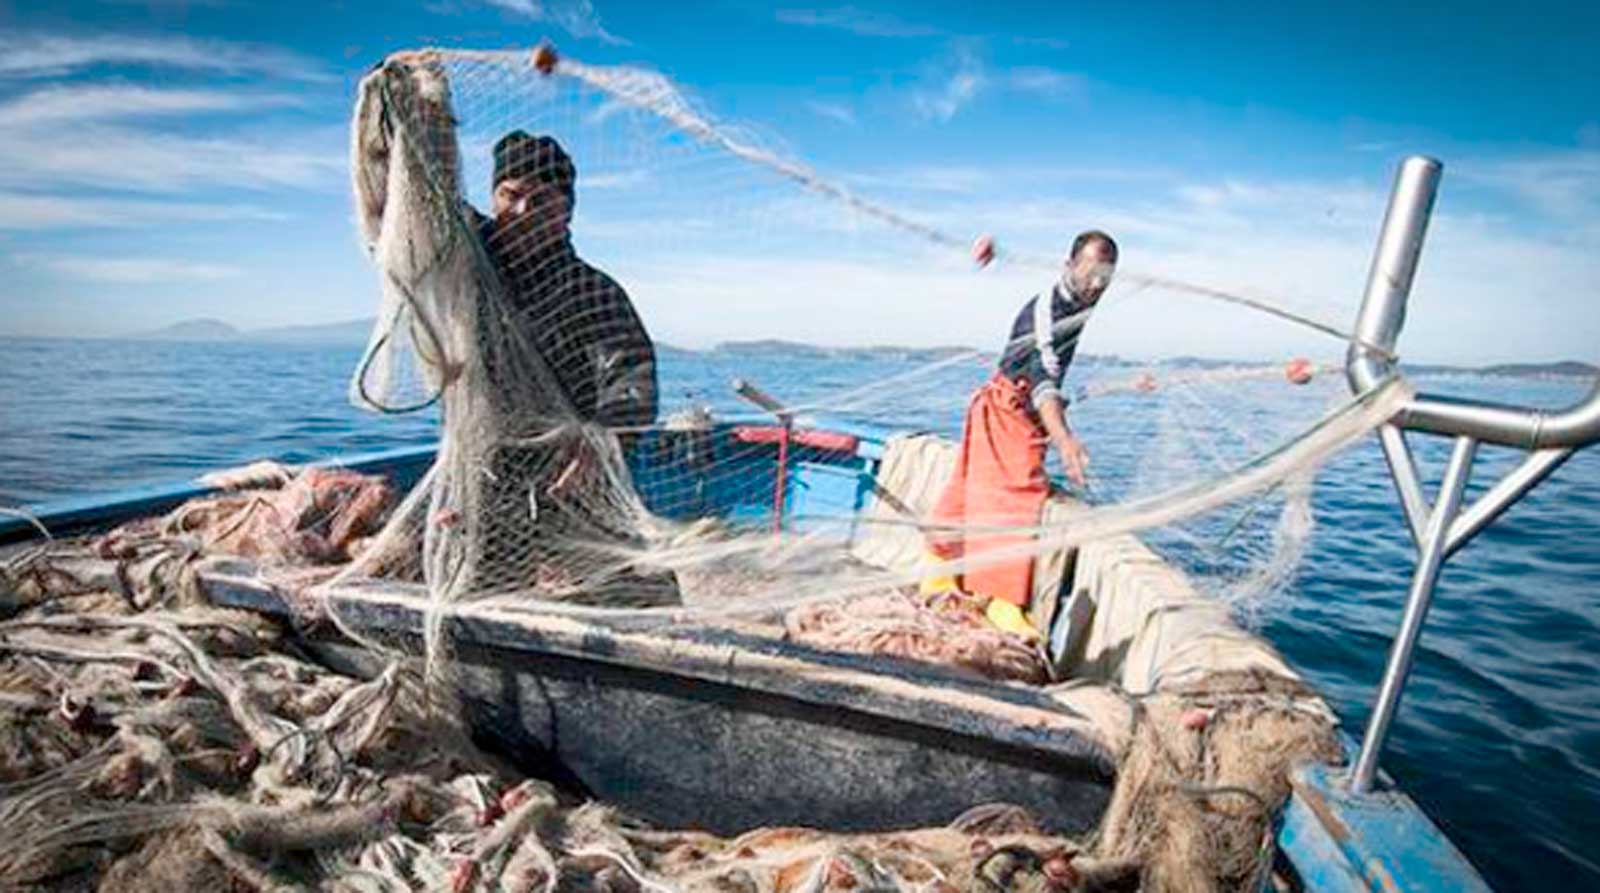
[(29, 517)]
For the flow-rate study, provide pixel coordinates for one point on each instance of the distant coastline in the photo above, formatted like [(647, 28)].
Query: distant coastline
[(355, 332)]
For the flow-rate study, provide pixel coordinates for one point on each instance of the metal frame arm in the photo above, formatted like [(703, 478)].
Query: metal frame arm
[(1439, 530), (1371, 357)]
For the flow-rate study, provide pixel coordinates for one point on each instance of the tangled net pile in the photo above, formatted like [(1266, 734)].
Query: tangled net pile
[(152, 740), (157, 743)]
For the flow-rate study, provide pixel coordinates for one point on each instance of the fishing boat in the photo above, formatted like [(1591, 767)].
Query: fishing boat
[(729, 723)]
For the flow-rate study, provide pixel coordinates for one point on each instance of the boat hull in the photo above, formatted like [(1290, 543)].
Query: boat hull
[(726, 759), (728, 730)]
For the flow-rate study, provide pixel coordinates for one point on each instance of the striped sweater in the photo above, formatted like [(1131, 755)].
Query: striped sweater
[(1043, 341)]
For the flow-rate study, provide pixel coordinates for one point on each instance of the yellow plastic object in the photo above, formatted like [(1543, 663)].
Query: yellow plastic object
[(937, 581), (1009, 618)]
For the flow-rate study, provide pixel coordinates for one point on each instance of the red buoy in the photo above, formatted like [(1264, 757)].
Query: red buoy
[(983, 250), (545, 58), (1299, 371)]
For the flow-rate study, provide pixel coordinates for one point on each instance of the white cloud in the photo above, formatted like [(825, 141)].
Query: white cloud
[(126, 158), (622, 179), (1562, 184), (1489, 289), (129, 271), (61, 140), (58, 140), (833, 111), (864, 22), (1047, 82), (62, 104), (917, 298), (49, 55), (25, 211), (577, 17), (951, 86), (976, 179), (956, 80), (928, 178)]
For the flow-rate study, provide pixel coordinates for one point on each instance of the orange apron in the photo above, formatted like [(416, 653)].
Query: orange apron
[(999, 480)]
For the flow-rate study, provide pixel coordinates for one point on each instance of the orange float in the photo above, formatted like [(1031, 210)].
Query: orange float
[(983, 250), (1299, 371), (544, 58)]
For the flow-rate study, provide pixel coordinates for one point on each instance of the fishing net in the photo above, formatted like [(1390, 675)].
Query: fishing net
[(568, 471), (575, 264)]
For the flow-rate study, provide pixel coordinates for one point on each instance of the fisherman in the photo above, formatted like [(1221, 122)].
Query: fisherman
[(999, 478), (578, 319), (561, 319)]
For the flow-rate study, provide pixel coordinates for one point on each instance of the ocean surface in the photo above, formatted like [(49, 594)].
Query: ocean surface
[(1498, 736)]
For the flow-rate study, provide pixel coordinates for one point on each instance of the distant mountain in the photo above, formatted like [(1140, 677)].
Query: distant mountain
[(1565, 368), (1559, 369), (354, 331), (1187, 362), (191, 330), (771, 346), (779, 347)]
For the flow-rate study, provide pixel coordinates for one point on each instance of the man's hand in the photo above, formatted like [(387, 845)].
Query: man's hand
[(413, 58), (1074, 457)]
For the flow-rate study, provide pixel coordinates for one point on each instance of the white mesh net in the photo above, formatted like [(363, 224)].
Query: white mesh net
[(492, 188), (561, 476)]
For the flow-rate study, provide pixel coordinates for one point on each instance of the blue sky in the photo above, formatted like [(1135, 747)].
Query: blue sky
[(168, 160)]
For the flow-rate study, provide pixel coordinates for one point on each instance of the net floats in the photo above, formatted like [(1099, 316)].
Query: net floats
[(545, 59), (1299, 371), (983, 250)]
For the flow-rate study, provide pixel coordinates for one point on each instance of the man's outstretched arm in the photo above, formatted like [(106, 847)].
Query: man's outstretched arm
[(1053, 412)]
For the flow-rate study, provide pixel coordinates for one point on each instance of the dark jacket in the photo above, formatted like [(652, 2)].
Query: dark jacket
[(583, 327)]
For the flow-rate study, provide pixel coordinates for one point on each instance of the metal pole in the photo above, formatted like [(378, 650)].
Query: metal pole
[(1404, 471), (1394, 264), (1418, 599), (1501, 496)]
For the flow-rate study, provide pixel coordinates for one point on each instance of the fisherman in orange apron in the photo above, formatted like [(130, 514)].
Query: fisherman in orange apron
[(999, 479)]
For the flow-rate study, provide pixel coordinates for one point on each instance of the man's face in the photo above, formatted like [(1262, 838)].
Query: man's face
[(1088, 274), (530, 206)]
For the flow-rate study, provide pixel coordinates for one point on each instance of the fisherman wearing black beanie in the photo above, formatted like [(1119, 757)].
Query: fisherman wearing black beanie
[(578, 318), (518, 155)]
